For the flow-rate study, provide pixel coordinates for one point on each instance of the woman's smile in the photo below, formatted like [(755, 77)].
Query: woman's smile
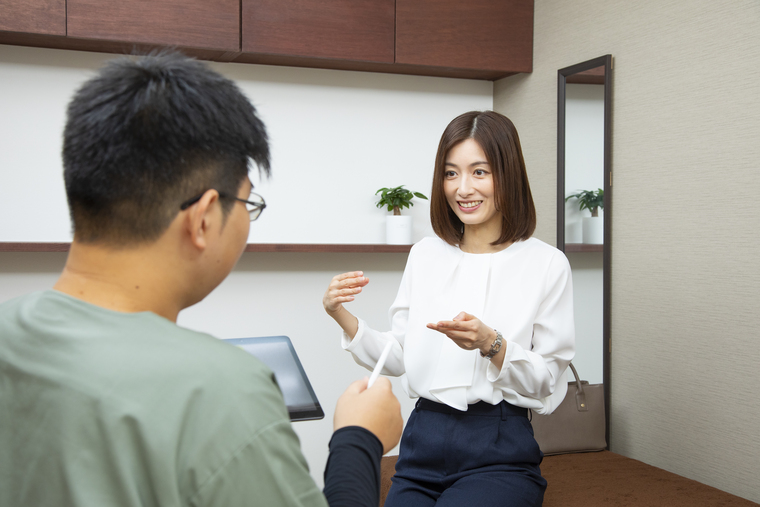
[(468, 186), (469, 206)]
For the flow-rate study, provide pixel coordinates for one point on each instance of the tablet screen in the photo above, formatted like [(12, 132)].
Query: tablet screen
[(278, 354)]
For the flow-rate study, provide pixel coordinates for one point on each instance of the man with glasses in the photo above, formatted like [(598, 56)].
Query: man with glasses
[(104, 400), (255, 205)]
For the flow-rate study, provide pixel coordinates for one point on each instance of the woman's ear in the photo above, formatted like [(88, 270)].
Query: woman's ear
[(202, 217)]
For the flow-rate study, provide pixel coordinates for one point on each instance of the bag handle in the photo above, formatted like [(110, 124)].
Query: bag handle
[(580, 395)]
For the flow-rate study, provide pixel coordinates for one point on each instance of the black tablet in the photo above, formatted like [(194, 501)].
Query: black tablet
[(278, 353)]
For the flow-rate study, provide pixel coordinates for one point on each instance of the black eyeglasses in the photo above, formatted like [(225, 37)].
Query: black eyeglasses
[(254, 207)]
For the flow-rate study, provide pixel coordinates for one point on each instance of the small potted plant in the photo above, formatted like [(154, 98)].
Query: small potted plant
[(593, 226), (398, 227)]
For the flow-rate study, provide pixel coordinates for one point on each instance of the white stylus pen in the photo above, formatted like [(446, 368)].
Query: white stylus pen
[(380, 364)]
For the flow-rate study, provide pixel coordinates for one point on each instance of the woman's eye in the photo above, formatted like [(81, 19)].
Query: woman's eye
[(450, 174), (480, 172)]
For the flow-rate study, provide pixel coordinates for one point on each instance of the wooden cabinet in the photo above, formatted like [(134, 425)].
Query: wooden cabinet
[(213, 24), (474, 39), (33, 16), (477, 34), (338, 29)]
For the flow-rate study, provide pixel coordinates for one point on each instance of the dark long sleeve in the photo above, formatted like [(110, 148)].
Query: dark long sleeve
[(352, 474)]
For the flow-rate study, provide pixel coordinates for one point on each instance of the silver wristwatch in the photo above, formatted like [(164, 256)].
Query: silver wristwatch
[(495, 346)]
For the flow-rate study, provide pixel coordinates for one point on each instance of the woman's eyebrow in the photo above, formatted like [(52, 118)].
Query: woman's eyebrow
[(479, 162)]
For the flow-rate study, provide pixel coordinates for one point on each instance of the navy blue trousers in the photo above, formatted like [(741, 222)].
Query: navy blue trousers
[(484, 457)]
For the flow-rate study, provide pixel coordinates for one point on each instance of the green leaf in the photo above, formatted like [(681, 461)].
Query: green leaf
[(399, 197), (588, 199)]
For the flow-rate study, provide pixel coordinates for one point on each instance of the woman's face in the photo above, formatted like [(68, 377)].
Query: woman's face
[(468, 185)]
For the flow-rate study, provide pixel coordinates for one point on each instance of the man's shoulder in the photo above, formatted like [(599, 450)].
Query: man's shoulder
[(135, 360), (11, 306), (193, 400), (106, 342)]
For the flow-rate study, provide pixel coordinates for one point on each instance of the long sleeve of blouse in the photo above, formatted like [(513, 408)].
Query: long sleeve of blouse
[(524, 291)]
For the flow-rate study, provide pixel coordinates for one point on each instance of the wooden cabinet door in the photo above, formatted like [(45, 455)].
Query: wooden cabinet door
[(213, 24), (471, 34), (339, 29), (33, 16)]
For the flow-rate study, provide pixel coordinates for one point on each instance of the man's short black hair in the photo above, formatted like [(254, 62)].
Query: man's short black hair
[(148, 133)]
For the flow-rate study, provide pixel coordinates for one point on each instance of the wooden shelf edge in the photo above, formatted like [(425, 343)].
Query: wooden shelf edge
[(251, 247), (327, 248), (34, 247), (583, 247)]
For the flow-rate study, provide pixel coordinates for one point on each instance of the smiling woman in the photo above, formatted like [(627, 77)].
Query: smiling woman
[(468, 186), (477, 143), (482, 326)]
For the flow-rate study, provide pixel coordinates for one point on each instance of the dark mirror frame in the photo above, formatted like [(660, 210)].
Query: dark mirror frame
[(563, 74)]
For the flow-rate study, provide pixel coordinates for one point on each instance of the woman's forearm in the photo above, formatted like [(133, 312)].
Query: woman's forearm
[(345, 320), (343, 288)]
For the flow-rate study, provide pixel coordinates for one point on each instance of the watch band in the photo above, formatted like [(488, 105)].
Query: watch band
[(495, 346)]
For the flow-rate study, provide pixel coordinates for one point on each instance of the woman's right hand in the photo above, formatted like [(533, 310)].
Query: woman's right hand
[(342, 289)]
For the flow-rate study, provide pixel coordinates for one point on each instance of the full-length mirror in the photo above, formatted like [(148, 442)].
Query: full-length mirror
[(584, 207)]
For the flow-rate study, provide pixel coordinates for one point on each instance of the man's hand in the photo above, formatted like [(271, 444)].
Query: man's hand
[(375, 409)]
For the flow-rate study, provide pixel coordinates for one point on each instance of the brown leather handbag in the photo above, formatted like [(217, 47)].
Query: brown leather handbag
[(577, 424)]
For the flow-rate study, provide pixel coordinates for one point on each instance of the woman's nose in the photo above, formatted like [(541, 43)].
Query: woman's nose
[(465, 186)]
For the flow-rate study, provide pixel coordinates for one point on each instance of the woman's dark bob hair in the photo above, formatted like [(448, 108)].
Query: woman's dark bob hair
[(497, 137)]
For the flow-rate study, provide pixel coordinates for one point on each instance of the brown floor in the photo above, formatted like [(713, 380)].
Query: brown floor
[(604, 478)]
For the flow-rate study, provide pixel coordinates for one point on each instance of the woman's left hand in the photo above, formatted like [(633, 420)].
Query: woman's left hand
[(467, 331)]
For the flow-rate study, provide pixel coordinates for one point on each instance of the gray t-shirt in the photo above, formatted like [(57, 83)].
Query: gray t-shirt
[(103, 408)]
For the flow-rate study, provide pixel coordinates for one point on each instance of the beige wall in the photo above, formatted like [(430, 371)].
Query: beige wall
[(685, 276)]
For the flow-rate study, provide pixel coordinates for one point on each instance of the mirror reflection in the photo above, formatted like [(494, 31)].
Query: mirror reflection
[(584, 213), (584, 159)]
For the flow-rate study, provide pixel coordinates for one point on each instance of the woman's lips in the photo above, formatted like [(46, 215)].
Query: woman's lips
[(469, 206)]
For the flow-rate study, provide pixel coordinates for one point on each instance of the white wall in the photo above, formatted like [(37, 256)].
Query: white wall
[(336, 138), (685, 152)]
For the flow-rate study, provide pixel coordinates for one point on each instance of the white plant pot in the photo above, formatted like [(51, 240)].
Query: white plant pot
[(593, 230), (398, 230)]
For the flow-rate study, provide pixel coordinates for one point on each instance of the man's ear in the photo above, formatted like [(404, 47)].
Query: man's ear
[(203, 216)]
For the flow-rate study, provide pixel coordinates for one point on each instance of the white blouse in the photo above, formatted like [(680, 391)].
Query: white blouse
[(525, 291)]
